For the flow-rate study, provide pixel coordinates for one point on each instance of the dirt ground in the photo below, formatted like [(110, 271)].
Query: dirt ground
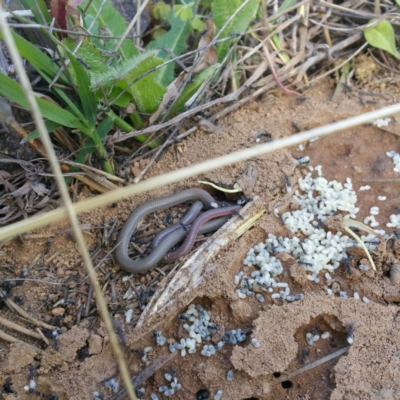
[(369, 370)]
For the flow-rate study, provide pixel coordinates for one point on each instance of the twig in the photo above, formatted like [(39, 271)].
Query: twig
[(146, 373), (23, 313), (12, 339), (312, 365), (69, 32), (19, 328), (159, 150), (88, 300)]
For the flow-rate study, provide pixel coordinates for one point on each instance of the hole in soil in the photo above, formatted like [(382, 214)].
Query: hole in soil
[(7, 386), (202, 394), (287, 384), (83, 352), (276, 374), (251, 398), (326, 334)]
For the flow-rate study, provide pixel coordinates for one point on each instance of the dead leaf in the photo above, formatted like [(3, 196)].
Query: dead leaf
[(40, 189), (170, 95), (23, 190), (205, 57), (4, 174)]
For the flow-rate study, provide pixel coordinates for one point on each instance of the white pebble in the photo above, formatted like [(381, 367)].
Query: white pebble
[(329, 292), (325, 335), (382, 198), (255, 342), (356, 295), (366, 187)]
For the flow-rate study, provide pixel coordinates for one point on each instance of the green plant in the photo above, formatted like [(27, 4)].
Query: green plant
[(92, 80), (222, 10), (382, 37)]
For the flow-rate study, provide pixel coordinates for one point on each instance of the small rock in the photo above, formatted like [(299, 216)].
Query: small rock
[(58, 311), (298, 273), (68, 319)]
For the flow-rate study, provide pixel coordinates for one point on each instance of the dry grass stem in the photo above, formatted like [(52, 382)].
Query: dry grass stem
[(184, 173)]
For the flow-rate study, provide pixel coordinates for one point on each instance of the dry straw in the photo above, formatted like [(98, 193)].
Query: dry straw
[(184, 173)]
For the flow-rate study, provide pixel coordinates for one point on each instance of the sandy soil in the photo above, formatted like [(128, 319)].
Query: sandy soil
[(369, 370)]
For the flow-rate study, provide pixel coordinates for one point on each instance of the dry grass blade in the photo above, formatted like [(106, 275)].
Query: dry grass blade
[(67, 201), (209, 165), (131, 25)]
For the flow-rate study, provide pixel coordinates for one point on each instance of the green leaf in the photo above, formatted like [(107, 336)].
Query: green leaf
[(111, 22), (14, 92), (39, 9), (90, 54), (175, 40), (161, 10), (146, 93), (286, 4), (50, 126), (382, 37), (192, 88), (222, 10), (42, 16), (184, 12), (197, 24), (37, 58), (89, 147), (87, 99)]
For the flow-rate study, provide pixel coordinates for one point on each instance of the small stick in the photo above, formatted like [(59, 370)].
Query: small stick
[(19, 328), (24, 314), (12, 339), (88, 299), (146, 374), (312, 365), (159, 150), (42, 336)]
